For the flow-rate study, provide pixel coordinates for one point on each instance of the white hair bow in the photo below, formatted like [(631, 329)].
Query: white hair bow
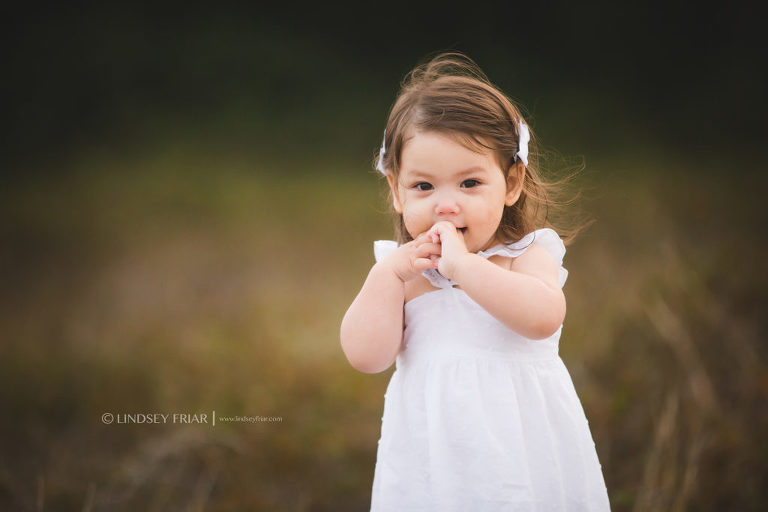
[(524, 137), (380, 163)]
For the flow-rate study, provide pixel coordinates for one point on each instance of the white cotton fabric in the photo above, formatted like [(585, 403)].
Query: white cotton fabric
[(479, 418)]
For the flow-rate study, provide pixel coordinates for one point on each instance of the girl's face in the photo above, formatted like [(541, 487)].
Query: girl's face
[(442, 180)]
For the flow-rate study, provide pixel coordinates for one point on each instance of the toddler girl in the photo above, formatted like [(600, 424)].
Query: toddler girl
[(480, 413)]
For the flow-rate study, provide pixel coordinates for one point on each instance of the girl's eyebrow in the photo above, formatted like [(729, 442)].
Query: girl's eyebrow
[(423, 174)]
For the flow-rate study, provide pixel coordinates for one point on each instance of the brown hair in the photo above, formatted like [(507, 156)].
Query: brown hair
[(451, 95)]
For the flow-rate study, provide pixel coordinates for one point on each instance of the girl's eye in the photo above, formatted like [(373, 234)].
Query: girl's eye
[(470, 183), (423, 186)]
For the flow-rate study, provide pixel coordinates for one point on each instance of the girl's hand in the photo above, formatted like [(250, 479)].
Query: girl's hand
[(452, 245), (410, 260)]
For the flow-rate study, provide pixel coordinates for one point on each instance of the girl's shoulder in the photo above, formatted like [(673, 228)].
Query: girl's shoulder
[(546, 238), (538, 245)]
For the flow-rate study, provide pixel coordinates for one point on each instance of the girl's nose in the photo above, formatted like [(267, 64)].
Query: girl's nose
[(446, 204)]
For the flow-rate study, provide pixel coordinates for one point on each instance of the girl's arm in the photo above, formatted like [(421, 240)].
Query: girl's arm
[(372, 329), (527, 298)]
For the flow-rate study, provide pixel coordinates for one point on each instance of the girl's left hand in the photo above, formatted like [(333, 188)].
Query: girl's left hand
[(453, 247)]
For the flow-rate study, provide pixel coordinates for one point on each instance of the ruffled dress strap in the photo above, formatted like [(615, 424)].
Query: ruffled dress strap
[(382, 248), (546, 237)]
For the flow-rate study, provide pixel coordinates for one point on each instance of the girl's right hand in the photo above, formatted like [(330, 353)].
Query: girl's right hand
[(410, 260)]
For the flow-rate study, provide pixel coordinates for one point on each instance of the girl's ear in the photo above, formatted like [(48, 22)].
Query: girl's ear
[(393, 190), (515, 183)]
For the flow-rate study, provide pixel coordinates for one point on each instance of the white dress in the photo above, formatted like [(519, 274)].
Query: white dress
[(479, 418)]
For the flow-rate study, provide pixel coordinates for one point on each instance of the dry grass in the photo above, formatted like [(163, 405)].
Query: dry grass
[(167, 287)]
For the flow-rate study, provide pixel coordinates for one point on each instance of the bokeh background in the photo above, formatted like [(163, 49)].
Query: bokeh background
[(189, 204)]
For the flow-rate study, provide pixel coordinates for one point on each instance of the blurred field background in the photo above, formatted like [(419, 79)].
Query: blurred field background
[(189, 207)]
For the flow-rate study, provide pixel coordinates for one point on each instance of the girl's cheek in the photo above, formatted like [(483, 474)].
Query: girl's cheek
[(415, 221), (408, 219)]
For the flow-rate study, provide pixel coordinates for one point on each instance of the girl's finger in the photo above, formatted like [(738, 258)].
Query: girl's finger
[(421, 238), (412, 243), (427, 249), (422, 264)]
